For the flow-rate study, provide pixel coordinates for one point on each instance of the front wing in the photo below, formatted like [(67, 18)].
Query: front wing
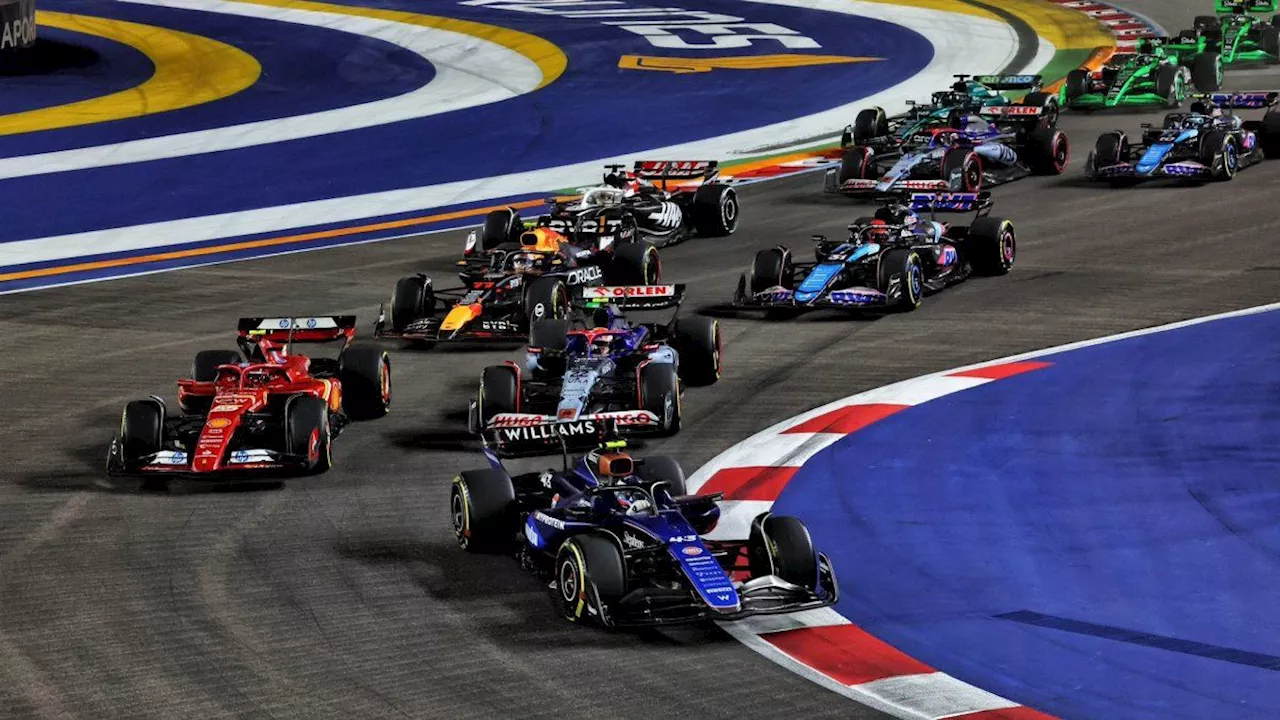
[(239, 464), (780, 297), (480, 330)]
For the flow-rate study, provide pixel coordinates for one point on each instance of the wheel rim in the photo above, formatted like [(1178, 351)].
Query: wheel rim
[(459, 510), (313, 446), (1061, 153), (973, 174), (729, 211), (568, 577), (915, 281), (386, 381), (1007, 247), (719, 357), (1232, 159)]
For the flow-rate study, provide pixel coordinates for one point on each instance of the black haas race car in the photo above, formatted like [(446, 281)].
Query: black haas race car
[(689, 200)]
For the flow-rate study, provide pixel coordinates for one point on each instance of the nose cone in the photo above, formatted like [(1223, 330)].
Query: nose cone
[(212, 444), (459, 316)]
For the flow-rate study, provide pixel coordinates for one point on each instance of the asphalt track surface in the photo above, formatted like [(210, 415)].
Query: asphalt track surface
[(345, 596)]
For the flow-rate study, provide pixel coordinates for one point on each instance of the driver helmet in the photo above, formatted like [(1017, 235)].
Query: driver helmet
[(541, 240), (526, 262), (611, 465), (1200, 107), (877, 232), (602, 345)]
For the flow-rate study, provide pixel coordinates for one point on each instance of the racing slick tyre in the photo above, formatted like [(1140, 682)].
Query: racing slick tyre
[(772, 268), (715, 210), (869, 124), (412, 300), (1110, 149), (482, 505), (307, 432), (902, 268), (780, 545), (501, 226), (858, 163), (499, 392), (204, 368), (660, 394), (662, 468), (141, 430), (1076, 84), (584, 562), (550, 337), (991, 246), (1220, 144), (1048, 101), (1206, 72), (962, 168), (364, 370), (546, 298), (697, 340), (1048, 151), (1268, 133), (1169, 85), (636, 263)]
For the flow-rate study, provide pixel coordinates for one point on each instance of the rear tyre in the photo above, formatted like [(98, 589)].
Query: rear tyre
[(715, 211), (1169, 86), (204, 368), (501, 226), (141, 430), (661, 468), (308, 433), (1048, 152), (482, 505), (547, 298), (780, 545), (870, 124), (411, 300), (698, 342), (902, 274), (585, 561), (636, 263), (991, 246), (772, 268), (364, 370), (1076, 85), (660, 395), (499, 392), (1269, 135), (1048, 101), (962, 169), (1206, 72)]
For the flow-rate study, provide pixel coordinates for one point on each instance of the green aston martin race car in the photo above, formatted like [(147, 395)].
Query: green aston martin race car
[(1237, 36), (1154, 75)]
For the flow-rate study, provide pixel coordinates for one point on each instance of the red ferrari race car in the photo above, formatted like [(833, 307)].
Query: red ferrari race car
[(259, 410)]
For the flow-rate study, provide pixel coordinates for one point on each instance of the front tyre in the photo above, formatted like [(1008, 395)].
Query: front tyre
[(780, 545), (482, 506), (991, 246), (308, 433), (546, 298), (697, 340), (590, 573), (901, 278)]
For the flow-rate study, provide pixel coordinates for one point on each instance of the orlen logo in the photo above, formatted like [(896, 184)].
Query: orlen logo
[(631, 291)]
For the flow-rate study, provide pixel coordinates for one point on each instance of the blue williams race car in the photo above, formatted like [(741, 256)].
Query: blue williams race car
[(889, 261), (580, 373), (1208, 143), (994, 146), (621, 542)]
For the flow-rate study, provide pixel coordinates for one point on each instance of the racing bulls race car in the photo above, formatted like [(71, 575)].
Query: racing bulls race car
[(581, 375), (874, 128), (889, 261), (621, 542), (505, 288), (1154, 75), (259, 410), (1237, 36), (1208, 143), (999, 145)]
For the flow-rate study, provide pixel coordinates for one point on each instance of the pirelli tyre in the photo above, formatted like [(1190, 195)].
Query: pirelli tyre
[(1048, 151), (141, 431), (546, 298), (780, 545), (659, 389), (499, 392), (1170, 85), (991, 246), (1221, 154), (900, 276), (772, 268), (501, 227), (697, 341), (308, 434), (591, 574), (962, 169), (857, 163), (1269, 41), (1049, 103), (715, 210), (364, 371), (204, 368), (549, 337), (1110, 149), (635, 263), (868, 125), (1206, 71), (1076, 84), (482, 506), (413, 299)]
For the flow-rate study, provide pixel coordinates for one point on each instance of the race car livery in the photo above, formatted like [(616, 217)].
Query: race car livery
[(259, 410), (1234, 34), (621, 542), (1157, 74), (888, 261), (1209, 143)]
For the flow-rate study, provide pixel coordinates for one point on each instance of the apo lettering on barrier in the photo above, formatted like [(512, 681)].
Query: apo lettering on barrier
[(17, 24), (664, 27)]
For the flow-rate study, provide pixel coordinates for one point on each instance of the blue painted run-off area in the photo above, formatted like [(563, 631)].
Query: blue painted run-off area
[(1096, 539)]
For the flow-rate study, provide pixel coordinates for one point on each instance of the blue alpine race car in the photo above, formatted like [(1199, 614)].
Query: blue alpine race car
[(622, 543), (888, 261), (1208, 143), (581, 372)]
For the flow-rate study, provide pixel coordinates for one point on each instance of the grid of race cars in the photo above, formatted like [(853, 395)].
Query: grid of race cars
[(618, 538)]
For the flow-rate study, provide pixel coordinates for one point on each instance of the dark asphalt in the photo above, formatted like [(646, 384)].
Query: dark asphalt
[(345, 597)]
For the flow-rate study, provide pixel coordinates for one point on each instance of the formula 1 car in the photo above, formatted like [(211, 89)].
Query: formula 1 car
[(1157, 74), (876, 129), (1238, 37), (621, 542), (629, 206), (889, 261), (1210, 142), (260, 410), (999, 145), (507, 287), (582, 374)]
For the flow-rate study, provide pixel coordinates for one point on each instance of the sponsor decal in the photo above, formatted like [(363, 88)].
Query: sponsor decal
[(691, 550), (546, 519), (498, 326), (219, 422), (545, 479), (223, 409), (548, 431), (632, 541), (1012, 110), (239, 456), (584, 275), (682, 539), (607, 292)]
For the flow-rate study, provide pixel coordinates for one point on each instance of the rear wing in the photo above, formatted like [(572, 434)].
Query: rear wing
[(1241, 100), (634, 297), (950, 202), (1011, 82), (1015, 112), (682, 170), (1257, 6), (316, 328), (524, 434)]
